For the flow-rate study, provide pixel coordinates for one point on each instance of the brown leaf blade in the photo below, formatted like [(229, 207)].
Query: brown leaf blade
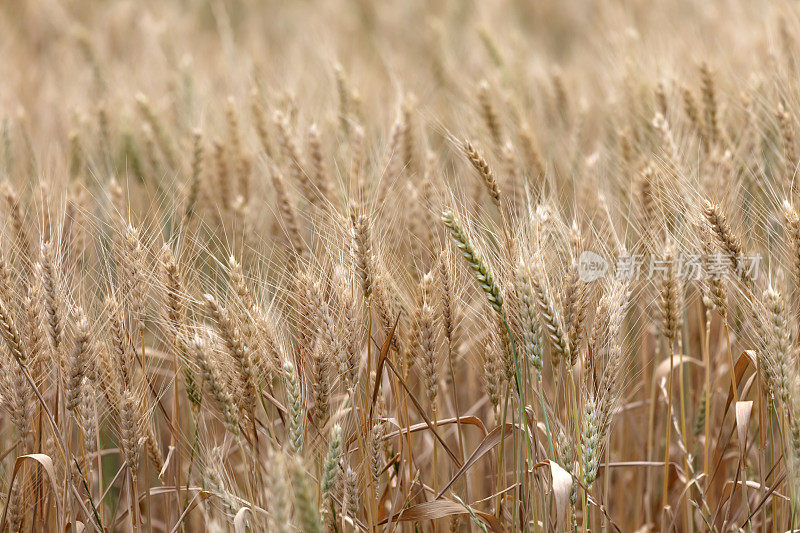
[(491, 440)]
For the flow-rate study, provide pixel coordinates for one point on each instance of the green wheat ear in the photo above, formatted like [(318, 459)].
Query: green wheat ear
[(482, 273)]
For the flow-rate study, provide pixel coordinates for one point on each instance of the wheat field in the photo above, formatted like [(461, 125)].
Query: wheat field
[(356, 266)]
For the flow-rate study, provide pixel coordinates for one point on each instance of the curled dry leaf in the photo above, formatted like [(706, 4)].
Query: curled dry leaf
[(562, 488), (240, 520), (423, 512), (46, 462), (744, 409), (663, 368)]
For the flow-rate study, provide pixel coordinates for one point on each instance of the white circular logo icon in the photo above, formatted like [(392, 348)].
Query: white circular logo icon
[(591, 266)]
